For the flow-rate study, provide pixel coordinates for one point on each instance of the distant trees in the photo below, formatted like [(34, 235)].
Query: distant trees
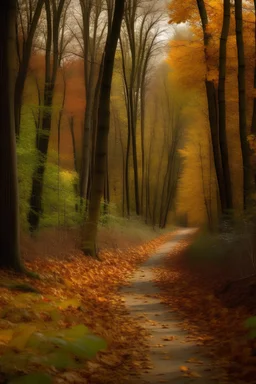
[(130, 158), (139, 41), (163, 160)]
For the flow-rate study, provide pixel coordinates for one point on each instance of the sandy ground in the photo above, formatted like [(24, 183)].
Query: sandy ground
[(170, 349)]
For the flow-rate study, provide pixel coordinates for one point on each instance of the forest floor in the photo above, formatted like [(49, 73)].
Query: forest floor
[(160, 316)]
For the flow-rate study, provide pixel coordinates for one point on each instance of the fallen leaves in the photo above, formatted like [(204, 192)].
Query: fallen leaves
[(208, 322), (83, 291)]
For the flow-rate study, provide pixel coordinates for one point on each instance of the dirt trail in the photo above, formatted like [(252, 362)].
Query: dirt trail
[(169, 348)]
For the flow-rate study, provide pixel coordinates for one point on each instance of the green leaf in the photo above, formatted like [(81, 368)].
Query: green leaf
[(251, 322), (55, 315), (33, 378), (43, 307), (21, 336), (23, 299), (75, 332), (38, 341), (59, 359), (87, 346)]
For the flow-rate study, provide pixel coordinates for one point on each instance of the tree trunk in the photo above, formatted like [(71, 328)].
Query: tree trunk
[(51, 68), (9, 207), (142, 126), (85, 163), (106, 191), (242, 104), (24, 65), (127, 158), (212, 109), (214, 130), (222, 104), (135, 159), (91, 226), (156, 189), (36, 209), (71, 127), (253, 126)]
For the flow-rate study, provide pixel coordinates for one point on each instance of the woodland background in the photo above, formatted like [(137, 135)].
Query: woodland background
[(160, 163), (134, 117)]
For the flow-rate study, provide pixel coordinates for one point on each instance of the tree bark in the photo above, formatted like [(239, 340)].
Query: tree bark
[(90, 50), (247, 181), (253, 123), (24, 63), (9, 207), (51, 68), (222, 104), (91, 225), (211, 95)]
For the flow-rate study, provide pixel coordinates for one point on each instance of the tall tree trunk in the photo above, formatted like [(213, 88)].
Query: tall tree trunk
[(142, 125), (106, 190), (128, 147), (91, 17), (91, 225), (135, 158), (9, 207), (24, 59), (212, 109), (253, 126), (85, 163), (127, 163), (95, 126), (222, 104), (51, 68), (86, 8), (242, 104), (59, 138), (72, 132), (156, 189)]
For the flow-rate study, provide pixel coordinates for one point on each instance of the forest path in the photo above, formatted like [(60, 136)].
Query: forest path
[(170, 350)]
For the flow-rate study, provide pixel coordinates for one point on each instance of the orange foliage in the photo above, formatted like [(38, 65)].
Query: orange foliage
[(189, 68), (75, 96), (72, 74)]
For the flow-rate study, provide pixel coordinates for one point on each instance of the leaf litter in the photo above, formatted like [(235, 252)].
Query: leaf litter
[(79, 291), (211, 324)]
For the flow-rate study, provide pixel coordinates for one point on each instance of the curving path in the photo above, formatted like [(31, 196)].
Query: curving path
[(174, 359)]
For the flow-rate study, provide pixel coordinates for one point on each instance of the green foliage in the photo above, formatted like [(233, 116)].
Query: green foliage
[(51, 347), (59, 200)]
